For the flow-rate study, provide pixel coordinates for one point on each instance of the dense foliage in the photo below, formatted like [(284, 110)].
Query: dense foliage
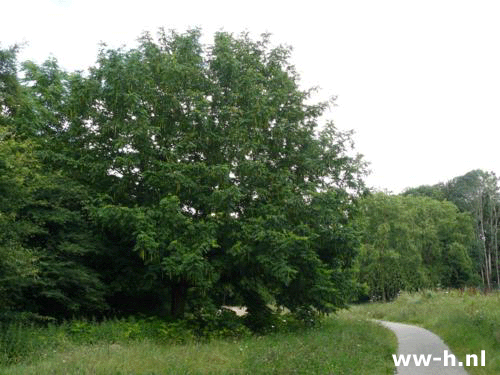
[(476, 193), (176, 178), (445, 235), (173, 177), (410, 243)]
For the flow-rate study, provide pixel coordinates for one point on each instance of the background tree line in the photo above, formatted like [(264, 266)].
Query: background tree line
[(477, 194), (443, 235)]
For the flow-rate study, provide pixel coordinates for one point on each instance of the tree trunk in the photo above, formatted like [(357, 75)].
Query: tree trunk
[(178, 299), (495, 242), (482, 235)]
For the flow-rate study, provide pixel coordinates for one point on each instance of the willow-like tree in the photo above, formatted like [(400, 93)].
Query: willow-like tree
[(209, 164), (477, 193), (413, 242)]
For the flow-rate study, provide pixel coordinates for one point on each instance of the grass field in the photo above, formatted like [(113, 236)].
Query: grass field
[(467, 322), (337, 346), (347, 343)]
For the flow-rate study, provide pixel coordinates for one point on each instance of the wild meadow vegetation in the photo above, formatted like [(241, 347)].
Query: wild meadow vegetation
[(140, 196), (151, 346), (467, 321)]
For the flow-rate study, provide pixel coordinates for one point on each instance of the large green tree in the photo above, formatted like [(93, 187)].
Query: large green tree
[(210, 165), (177, 172)]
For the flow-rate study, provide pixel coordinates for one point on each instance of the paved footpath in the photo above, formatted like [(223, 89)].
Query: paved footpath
[(416, 340)]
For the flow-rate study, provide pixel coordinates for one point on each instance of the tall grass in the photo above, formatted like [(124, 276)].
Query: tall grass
[(467, 321), (25, 342), (336, 346)]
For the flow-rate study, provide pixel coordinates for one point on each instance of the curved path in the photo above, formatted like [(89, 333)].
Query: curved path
[(416, 340)]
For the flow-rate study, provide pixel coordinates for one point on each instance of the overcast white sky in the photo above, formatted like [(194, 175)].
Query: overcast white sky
[(418, 81)]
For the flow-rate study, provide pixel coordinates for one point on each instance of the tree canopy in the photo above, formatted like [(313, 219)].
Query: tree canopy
[(177, 177), (182, 173), (410, 243), (477, 194)]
